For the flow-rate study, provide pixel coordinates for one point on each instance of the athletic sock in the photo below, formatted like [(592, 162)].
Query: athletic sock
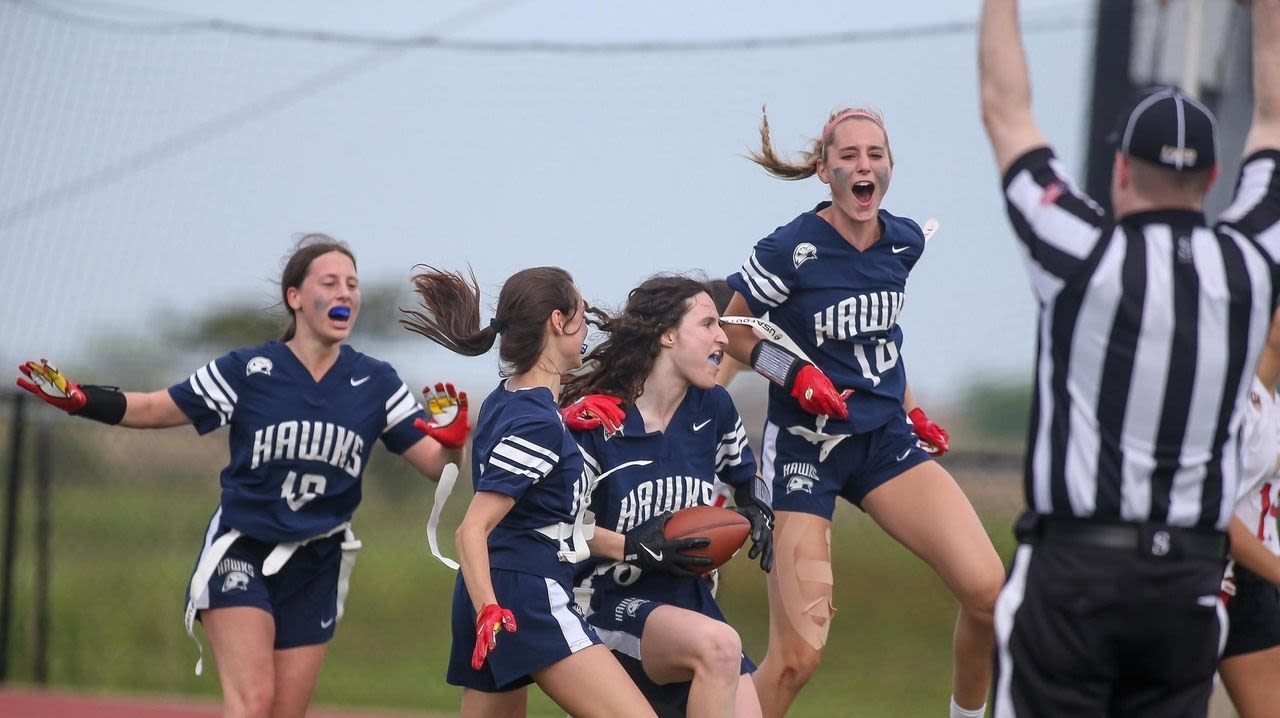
[(958, 712)]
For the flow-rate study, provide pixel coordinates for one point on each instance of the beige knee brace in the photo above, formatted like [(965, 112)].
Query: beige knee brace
[(805, 586)]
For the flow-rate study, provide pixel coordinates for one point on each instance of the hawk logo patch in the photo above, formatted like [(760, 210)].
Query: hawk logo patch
[(235, 574), (801, 476), (628, 607), (258, 365), (803, 253), (235, 580)]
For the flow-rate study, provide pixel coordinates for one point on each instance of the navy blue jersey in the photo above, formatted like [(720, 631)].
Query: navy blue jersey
[(298, 446), (522, 449), (840, 305), (704, 441)]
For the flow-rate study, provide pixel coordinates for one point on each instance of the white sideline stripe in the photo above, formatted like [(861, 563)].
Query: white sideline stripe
[(768, 452), (1007, 605), (202, 601), (620, 641), (570, 626), (1224, 626)]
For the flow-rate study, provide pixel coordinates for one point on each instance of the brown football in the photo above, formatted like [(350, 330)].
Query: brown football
[(728, 530)]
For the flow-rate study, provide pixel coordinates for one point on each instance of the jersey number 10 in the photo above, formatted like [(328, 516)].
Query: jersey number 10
[(886, 356), (312, 486)]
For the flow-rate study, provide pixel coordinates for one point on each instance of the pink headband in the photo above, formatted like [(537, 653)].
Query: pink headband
[(826, 130)]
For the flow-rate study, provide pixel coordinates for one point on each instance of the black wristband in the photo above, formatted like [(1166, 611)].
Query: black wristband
[(776, 363), (102, 403)]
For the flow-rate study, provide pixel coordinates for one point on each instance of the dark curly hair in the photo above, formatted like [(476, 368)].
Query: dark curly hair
[(623, 361)]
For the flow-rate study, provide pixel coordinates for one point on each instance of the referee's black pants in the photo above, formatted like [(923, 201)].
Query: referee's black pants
[(1089, 630)]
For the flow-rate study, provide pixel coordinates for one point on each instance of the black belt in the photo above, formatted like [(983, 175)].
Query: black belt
[(1149, 539)]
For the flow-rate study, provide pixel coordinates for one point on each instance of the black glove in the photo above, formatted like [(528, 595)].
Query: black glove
[(646, 547), (753, 502)]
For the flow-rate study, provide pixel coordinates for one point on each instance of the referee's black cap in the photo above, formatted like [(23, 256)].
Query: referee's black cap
[(1169, 128)]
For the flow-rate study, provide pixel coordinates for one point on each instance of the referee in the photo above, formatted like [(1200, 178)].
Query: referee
[(1149, 328)]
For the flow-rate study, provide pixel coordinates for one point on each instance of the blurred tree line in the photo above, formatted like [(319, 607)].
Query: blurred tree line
[(993, 412), (172, 343)]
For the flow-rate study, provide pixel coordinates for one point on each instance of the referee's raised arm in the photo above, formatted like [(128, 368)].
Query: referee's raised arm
[(1004, 84), (1265, 131)]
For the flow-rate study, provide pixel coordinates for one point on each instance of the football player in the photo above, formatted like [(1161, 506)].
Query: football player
[(302, 415)]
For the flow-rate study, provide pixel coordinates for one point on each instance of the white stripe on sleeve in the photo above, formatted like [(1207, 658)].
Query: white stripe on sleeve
[(206, 387), (729, 451), (523, 457), (1052, 224), (765, 286), (494, 460), (223, 383), (400, 406)]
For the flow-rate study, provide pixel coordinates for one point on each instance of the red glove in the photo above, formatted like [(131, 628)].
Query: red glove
[(594, 410), (45, 381), (934, 439), (491, 619), (448, 409), (816, 394)]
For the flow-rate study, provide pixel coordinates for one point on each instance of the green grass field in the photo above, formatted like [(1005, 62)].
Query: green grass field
[(130, 508)]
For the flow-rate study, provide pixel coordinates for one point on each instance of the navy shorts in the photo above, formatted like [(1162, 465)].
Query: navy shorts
[(302, 597), (858, 464), (620, 618), (1253, 614), (549, 628)]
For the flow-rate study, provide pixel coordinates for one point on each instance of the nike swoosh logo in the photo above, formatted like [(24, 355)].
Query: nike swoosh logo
[(904, 454), (358, 382), (326, 624), (698, 427), (656, 556), (899, 250)]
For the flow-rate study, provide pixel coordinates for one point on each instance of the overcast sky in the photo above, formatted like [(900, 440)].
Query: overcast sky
[(151, 165)]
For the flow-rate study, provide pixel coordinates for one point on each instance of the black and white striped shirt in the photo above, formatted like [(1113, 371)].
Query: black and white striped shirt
[(1149, 331)]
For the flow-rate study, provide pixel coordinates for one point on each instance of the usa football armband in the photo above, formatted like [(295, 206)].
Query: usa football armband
[(776, 363)]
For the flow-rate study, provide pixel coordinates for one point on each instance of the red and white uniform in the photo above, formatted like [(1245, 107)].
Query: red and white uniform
[(1259, 491)]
